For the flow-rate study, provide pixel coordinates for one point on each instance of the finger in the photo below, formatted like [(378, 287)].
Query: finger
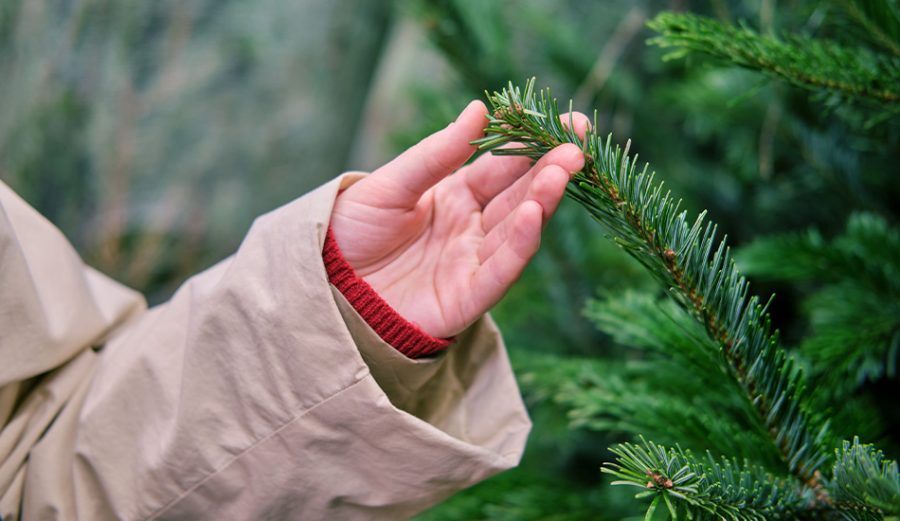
[(413, 172), (547, 190), (494, 277), (568, 157), (580, 123), (489, 175)]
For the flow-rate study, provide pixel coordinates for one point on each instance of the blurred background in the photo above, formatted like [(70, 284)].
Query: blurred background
[(152, 133)]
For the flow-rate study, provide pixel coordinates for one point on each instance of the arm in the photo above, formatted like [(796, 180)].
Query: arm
[(53, 308), (259, 391), (247, 396)]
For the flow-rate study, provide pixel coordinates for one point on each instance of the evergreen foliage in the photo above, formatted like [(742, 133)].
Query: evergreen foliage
[(813, 63), (854, 304), (879, 21), (678, 391), (707, 488), (862, 477), (697, 268), (764, 158)]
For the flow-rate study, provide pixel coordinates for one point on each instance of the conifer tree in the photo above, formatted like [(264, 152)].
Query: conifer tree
[(812, 63), (811, 474), (784, 137)]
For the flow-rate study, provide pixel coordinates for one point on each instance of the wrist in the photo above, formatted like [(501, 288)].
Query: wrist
[(393, 328)]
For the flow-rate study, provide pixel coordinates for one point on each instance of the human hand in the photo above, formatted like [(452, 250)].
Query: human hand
[(442, 244)]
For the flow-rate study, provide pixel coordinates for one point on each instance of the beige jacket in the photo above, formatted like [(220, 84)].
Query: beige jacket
[(257, 392)]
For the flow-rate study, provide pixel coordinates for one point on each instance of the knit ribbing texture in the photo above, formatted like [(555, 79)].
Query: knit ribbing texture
[(403, 335)]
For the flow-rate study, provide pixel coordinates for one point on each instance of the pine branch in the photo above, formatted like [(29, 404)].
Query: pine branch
[(806, 62), (879, 18), (659, 398), (869, 250), (706, 488), (855, 310), (702, 278), (865, 482), (647, 223), (679, 392)]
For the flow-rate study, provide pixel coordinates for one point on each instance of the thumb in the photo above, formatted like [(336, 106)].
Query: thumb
[(434, 158)]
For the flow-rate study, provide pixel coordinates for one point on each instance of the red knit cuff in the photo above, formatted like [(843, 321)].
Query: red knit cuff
[(402, 334)]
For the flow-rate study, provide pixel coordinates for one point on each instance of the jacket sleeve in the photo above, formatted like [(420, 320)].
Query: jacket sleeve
[(51, 305), (53, 309), (257, 392)]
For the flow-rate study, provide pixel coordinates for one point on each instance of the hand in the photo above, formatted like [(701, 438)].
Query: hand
[(442, 249)]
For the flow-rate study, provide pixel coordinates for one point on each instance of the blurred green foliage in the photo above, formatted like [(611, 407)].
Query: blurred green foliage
[(152, 133)]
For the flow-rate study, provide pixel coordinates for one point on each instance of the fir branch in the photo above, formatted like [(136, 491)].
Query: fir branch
[(811, 63), (669, 401), (864, 482), (706, 488), (879, 18), (855, 309), (647, 223), (869, 249), (680, 391)]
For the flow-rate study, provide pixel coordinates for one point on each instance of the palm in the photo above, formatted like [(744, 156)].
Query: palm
[(442, 249)]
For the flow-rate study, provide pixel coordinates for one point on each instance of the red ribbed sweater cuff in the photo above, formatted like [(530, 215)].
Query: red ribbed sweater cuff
[(402, 334)]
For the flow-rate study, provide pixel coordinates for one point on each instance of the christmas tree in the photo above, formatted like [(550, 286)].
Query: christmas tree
[(722, 416), (790, 465)]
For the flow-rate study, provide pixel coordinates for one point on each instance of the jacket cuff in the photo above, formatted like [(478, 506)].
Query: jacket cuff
[(400, 333)]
